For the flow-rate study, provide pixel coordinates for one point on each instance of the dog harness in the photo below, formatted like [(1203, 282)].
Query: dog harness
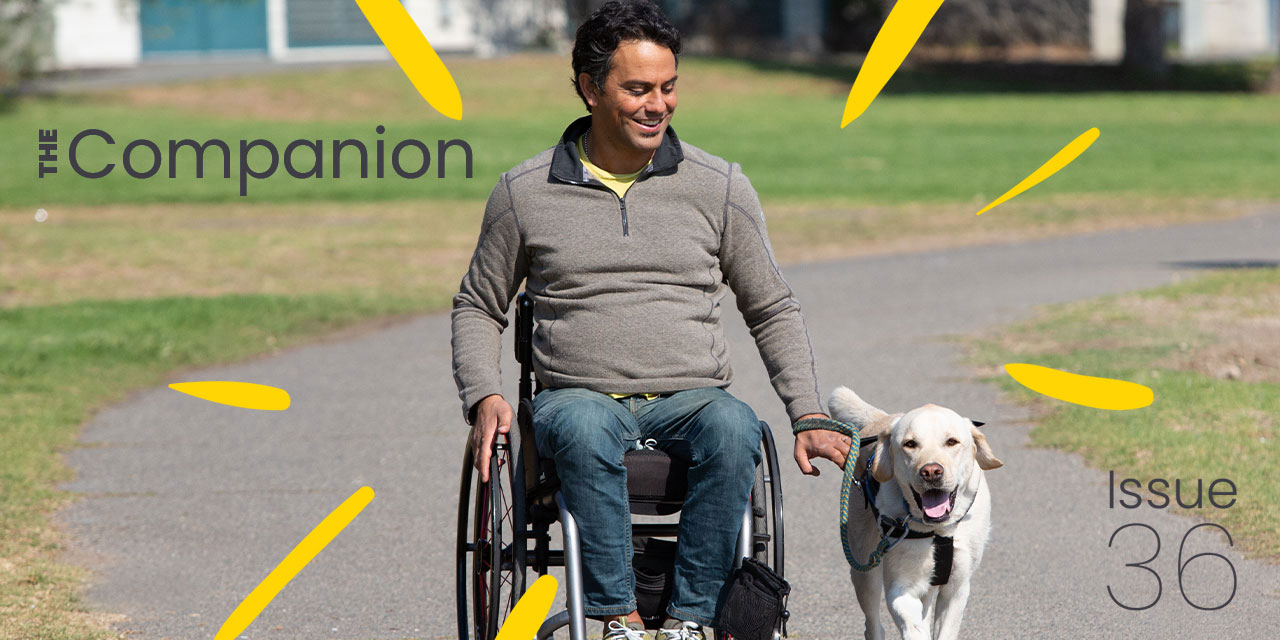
[(943, 546), (892, 531)]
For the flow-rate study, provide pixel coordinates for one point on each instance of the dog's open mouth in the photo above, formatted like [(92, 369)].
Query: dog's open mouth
[(935, 504)]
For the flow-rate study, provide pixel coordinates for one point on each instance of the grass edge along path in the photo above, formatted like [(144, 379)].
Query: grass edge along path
[(144, 251), (61, 363), (1201, 425)]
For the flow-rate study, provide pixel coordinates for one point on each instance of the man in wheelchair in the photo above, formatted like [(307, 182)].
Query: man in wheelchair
[(626, 239)]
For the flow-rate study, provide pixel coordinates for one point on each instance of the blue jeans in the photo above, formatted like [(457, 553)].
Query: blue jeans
[(587, 433)]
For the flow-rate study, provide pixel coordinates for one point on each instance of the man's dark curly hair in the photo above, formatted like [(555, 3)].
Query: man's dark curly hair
[(613, 23)]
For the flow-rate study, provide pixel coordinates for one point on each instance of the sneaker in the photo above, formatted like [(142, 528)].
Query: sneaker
[(620, 629), (681, 630)]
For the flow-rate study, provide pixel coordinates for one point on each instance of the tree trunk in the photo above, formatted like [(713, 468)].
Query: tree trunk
[(26, 28), (1144, 37), (580, 10)]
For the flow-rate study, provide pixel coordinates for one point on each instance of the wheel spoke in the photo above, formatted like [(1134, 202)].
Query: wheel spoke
[(497, 563)]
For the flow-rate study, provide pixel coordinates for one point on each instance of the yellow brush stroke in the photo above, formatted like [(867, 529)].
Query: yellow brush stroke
[(1098, 393), (414, 55), (901, 29), (530, 611), (1055, 164), (237, 394), (314, 543)]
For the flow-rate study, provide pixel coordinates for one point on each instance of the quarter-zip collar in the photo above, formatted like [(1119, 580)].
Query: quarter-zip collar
[(566, 166)]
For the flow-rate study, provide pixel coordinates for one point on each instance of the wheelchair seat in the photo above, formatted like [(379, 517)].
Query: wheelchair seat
[(656, 482)]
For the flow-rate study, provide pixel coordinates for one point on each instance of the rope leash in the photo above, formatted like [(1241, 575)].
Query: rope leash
[(850, 465)]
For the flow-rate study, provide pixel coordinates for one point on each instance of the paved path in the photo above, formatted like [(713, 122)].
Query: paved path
[(187, 505)]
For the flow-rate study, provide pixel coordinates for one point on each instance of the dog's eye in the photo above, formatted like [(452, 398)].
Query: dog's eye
[(910, 444), (951, 442)]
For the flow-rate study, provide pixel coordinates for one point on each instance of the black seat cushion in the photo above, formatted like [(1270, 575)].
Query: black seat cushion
[(656, 482)]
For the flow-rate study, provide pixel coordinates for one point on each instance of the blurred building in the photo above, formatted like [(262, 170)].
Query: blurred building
[(1069, 30), (1197, 30), (115, 33)]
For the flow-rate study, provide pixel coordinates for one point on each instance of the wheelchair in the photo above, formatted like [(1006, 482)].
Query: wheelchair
[(503, 527)]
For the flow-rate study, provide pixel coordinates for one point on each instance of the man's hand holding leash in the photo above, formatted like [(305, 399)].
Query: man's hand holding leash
[(820, 443)]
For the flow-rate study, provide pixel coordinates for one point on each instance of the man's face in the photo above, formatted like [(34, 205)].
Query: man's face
[(635, 105)]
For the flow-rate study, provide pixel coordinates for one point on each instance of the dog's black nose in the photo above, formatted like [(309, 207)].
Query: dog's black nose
[(931, 472)]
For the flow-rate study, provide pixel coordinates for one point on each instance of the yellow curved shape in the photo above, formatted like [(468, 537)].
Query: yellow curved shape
[(414, 55), (897, 36), (1088, 391), (1059, 160), (313, 544), (530, 612), (246, 395)]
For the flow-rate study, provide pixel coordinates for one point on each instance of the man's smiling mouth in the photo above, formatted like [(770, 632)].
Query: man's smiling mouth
[(649, 125)]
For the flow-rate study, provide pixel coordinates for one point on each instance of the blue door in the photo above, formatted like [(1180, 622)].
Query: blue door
[(203, 26)]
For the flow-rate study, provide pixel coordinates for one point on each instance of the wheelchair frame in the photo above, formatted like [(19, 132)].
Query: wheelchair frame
[(522, 500)]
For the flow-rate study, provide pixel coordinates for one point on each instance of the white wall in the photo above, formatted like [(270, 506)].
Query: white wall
[(1106, 30), (448, 25), (1225, 28), (96, 33)]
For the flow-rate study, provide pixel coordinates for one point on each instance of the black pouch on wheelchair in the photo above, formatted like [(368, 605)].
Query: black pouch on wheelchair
[(654, 566), (755, 605)]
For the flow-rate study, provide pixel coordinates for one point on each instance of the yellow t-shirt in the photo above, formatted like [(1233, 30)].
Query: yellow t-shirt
[(617, 181)]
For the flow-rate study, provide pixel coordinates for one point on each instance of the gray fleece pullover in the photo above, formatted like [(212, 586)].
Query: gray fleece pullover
[(627, 291)]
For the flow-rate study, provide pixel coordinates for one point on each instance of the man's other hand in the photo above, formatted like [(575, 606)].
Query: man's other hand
[(493, 415), (820, 443)]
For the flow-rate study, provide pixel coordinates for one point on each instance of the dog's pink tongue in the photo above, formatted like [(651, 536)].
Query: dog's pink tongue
[(936, 504)]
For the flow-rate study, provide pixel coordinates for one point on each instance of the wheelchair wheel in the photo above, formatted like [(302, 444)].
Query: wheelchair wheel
[(491, 552), (766, 508)]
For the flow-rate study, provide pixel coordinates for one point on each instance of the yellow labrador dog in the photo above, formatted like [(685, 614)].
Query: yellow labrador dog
[(929, 464)]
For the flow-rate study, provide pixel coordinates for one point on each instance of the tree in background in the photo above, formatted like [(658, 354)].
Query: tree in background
[(1144, 40), (504, 26), (721, 27), (580, 10), (1008, 24), (967, 24), (852, 24), (26, 29)]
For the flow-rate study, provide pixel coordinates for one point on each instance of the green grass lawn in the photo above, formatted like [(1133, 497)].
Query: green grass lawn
[(1209, 350), (782, 127)]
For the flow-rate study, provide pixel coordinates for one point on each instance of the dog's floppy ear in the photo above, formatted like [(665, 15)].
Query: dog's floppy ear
[(882, 464), (982, 452)]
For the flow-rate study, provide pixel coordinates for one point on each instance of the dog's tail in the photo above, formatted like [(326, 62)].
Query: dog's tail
[(847, 407)]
